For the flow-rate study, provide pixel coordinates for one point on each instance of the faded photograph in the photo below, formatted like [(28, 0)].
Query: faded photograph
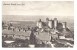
[(37, 24)]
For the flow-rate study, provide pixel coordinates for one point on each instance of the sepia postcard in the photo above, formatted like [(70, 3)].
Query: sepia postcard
[(38, 24)]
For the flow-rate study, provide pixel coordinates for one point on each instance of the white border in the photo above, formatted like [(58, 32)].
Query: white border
[(75, 27), (38, 0), (0, 23), (75, 23)]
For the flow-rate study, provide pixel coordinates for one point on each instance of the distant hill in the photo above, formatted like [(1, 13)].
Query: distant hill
[(22, 24)]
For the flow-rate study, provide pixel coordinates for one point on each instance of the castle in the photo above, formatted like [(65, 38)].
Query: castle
[(51, 24)]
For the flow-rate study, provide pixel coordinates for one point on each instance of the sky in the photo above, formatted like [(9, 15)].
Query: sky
[(33, 10)]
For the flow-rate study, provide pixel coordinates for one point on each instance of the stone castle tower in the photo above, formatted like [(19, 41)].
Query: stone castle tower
[(39, 24), (55, 23), (50, 24)]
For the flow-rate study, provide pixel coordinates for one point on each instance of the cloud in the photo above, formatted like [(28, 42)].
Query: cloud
[(61, 9)]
